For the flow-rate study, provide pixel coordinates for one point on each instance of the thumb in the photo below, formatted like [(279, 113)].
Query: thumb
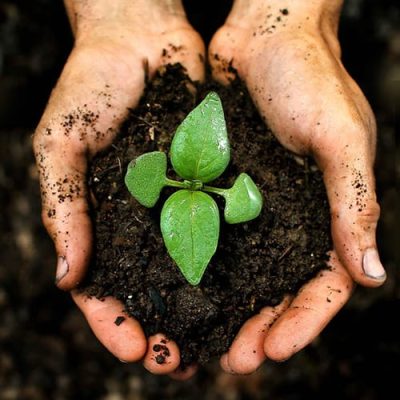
[(349, 179), (64, 208), (87, 104)]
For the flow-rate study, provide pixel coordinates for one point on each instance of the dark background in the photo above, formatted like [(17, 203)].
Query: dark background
[(46, 349)]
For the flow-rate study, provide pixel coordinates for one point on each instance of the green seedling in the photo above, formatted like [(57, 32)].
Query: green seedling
[(190, 221)]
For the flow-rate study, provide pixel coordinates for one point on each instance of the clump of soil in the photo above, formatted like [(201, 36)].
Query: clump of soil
[(256, 263)]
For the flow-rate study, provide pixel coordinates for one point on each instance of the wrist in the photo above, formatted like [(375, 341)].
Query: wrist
[(308, 14), (97, 15)]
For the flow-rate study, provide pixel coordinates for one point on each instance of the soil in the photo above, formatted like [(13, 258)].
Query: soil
[(256, 263)]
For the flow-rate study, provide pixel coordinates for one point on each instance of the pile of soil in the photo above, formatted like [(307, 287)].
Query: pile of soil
[(256, 263), (47, 350)]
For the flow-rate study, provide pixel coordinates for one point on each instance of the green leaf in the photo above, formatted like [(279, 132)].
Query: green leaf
[(200, 148), (190, 228), (146, 176), (243, 200)]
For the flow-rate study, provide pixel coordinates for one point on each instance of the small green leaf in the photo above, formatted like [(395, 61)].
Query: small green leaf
[(146, 176), (190, 228), (243, 200), (200, 148)]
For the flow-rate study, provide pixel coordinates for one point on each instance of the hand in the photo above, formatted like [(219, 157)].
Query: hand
[(288, 54), (104, 75)]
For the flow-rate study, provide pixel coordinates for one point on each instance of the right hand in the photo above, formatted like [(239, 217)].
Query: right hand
[(103, 77), (288, 54)]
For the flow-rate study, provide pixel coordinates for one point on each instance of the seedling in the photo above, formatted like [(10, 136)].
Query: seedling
[(190, 223)]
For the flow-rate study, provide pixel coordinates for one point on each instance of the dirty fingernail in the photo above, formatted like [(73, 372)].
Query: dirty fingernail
[(372, 265), (62, 269)]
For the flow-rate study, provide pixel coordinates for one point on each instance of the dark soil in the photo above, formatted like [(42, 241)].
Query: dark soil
[(256, 263)]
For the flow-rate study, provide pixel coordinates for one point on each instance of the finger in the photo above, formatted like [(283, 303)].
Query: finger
[(79, 120), (163, 356), (344, 147), (247, 351), (64, 209), (119, 333), (315, 305), (184, 375), (349, 179), (340, 132)]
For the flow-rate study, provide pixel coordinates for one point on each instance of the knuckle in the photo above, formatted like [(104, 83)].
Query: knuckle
[(364, 214), (371, 210), (367, 216), (43, 141)]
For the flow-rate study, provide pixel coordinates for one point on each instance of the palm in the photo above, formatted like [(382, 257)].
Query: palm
[(307, 94), (105, 76)]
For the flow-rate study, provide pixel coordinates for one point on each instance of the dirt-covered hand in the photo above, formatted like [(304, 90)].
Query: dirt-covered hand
[(116, 45), (288, 54)]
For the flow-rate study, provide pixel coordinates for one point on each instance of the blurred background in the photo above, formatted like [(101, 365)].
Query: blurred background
[(46, 349)]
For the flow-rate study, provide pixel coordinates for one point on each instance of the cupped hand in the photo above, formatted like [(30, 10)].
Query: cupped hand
[(288, 55), (116, 45)]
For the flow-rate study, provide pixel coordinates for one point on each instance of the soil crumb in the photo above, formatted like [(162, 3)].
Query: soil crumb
[(256, 263)]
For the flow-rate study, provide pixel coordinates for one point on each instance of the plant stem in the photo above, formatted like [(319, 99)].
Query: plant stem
[(189, 186), (215, 190), (177, 184)]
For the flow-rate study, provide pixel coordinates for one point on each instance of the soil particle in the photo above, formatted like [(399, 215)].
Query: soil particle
[(160, 359), (223, 65), (163, 351), (360, 188), (82, 120), (256, 263), (119, 320), (160, 348)]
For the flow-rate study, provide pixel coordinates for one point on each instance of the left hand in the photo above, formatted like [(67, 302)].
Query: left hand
[(296, 79), (116, 44)]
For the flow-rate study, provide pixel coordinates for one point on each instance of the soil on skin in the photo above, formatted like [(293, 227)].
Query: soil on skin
[(256, 263)]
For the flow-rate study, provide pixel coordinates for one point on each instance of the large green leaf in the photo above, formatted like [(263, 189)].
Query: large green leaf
[(200, 148), (190, 228), (146, 177), (243, 201)]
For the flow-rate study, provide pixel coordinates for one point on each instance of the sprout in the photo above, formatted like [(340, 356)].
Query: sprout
[(190, 221)]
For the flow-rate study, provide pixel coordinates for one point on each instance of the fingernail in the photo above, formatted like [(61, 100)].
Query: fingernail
[(372, 265), (62, 269)]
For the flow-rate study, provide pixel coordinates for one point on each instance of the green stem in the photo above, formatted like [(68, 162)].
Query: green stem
[(215, 190), (177, 184)]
